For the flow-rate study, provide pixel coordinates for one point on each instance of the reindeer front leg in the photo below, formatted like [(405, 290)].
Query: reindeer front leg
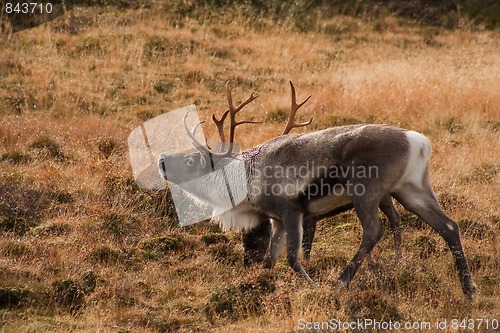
[(367, 211), (256, 242), (277, 242), (293, 228), (308, 231), (394, 218)]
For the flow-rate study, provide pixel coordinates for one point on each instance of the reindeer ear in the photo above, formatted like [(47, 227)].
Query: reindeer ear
[(203, 161)]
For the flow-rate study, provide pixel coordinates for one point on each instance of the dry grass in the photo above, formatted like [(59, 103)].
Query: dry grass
[(83, 249)]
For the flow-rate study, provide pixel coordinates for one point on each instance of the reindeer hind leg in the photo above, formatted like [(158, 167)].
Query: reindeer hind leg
[(424, 204)]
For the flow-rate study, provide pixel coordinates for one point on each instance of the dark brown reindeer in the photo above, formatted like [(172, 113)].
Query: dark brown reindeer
[(356, 165)]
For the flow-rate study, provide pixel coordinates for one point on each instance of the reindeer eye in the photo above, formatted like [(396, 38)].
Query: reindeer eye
[(190, 161)]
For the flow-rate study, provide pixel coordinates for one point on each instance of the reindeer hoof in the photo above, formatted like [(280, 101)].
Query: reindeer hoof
[(311, 282), (471, 292), (314, 284), (268, 263), (341, 284)]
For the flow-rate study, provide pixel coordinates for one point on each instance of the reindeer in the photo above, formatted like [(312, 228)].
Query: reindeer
[(256, 241), (356, 165)]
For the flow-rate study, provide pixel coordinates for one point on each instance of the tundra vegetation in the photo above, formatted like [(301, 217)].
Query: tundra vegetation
[(82, 248)]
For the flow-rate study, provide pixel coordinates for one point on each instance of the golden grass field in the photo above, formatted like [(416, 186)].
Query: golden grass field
[(82, 249)]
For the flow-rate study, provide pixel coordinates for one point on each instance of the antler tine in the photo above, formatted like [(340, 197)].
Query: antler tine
[(192, 134), (293, 109), (220, 127), (220, 124), (234, 110)]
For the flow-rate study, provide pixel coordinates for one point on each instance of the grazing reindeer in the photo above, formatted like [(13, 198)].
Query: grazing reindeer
[(257, 240), (295, 177)]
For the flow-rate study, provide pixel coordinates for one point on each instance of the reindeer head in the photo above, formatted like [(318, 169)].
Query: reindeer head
[(180, 168)]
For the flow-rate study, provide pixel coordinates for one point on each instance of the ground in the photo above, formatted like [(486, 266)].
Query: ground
[(83, 249)]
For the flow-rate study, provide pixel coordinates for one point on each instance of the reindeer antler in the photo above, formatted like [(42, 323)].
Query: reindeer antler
[(293, 109), (220, 127), (232, 111), (192, 134), (220, 124)]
